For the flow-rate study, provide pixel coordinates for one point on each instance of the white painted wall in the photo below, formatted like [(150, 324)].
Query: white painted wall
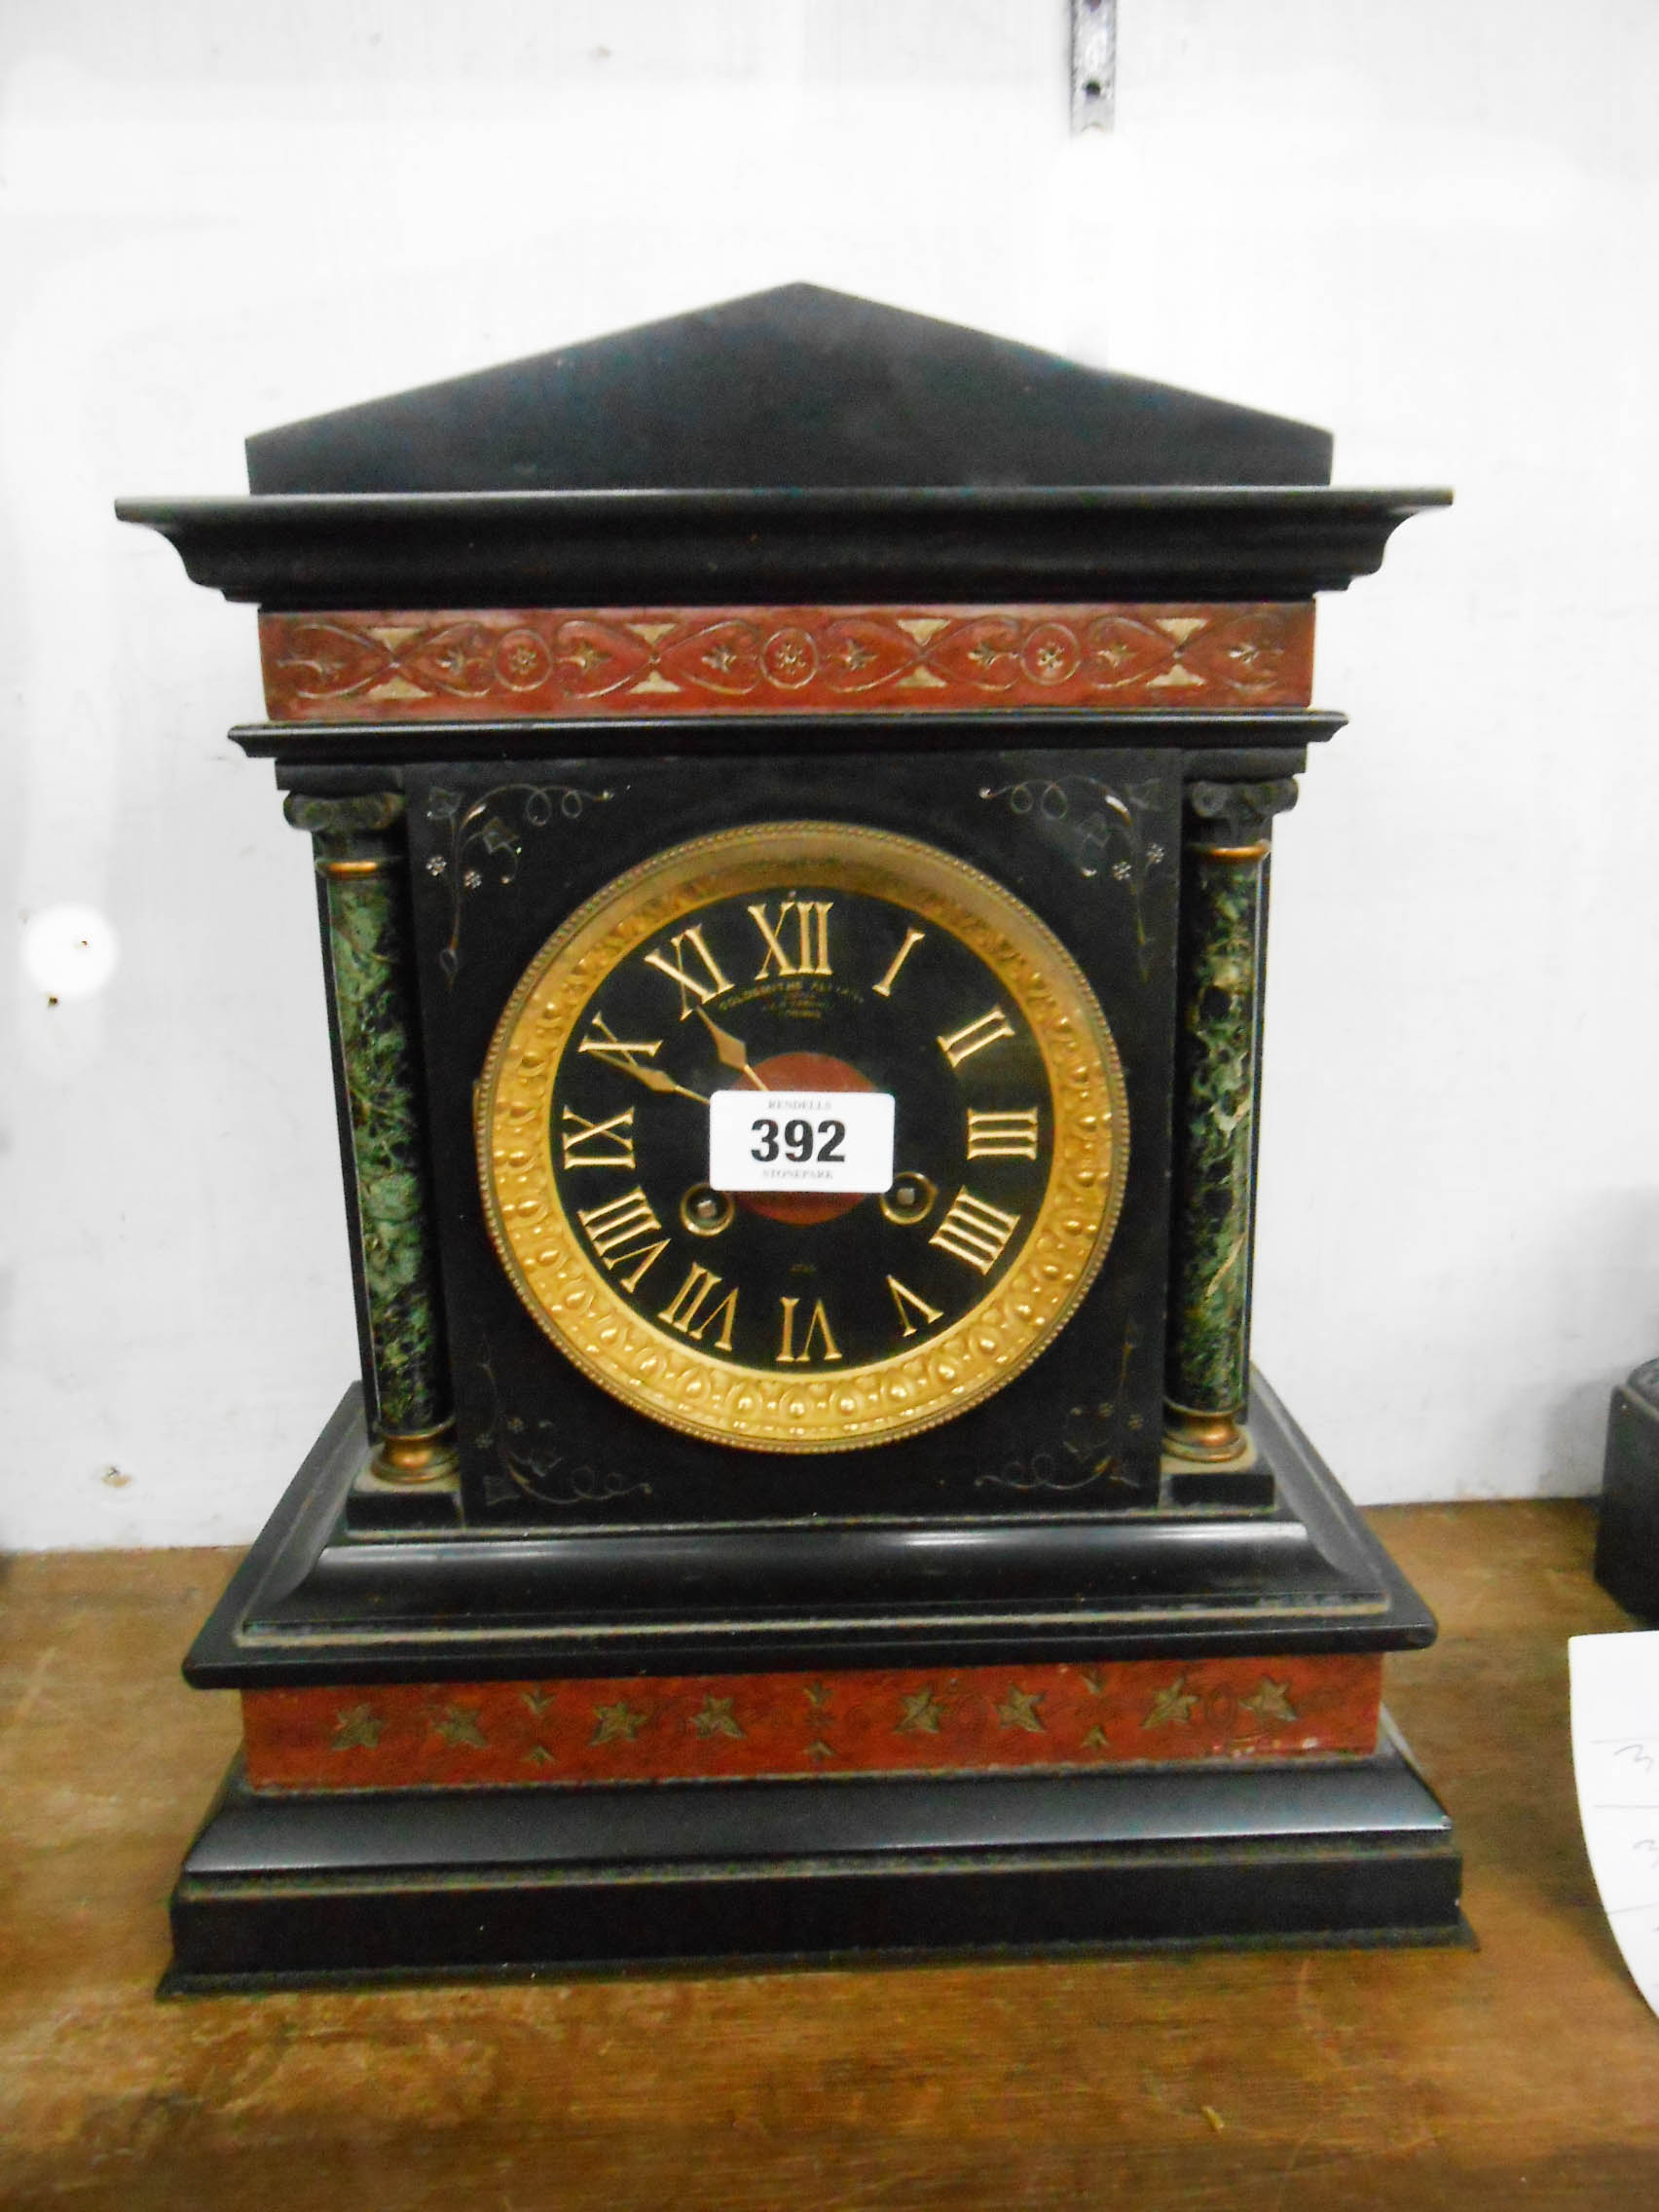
[(1427, 224)]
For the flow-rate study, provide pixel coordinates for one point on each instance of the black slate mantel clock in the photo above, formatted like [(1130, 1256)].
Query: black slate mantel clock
[(792, 790)]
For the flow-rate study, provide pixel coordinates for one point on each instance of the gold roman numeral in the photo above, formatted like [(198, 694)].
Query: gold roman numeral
[(912, 938), (974, 1232), (963, 1044), (694, 989), (818, 1327), (603, 1041), (1001, 1136), (684, 1307), (907, 1303), (598, 1144), (613, 1229), (812, 929)]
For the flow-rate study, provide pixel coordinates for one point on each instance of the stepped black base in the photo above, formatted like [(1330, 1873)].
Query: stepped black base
[(280, 1890), (316, 1601), (350, 1886)]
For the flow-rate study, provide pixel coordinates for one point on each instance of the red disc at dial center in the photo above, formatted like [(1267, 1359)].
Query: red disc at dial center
[(805, 1071)]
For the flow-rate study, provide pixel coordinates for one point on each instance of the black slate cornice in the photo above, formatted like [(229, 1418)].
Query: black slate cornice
[(776, 547)]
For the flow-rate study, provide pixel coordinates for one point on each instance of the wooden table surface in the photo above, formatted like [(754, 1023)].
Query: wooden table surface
[(1526, 2073)]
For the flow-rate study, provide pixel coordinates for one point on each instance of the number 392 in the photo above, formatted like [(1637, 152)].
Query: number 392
[(799, 1138)]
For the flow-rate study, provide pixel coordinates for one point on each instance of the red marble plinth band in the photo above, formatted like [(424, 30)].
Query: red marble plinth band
[(655, 1728), (542, 662)]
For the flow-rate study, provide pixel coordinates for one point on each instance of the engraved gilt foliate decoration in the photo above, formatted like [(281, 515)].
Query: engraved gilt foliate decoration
[(1020, 1710), (482, 835), (920, 1714), (356, 1728), (619, 1722), (1090, 1445), (1216, 1704), (525, 1456), (1271, 1702), (395, 663), (902, 1720), (1093, 822), (550, 661), (457, 1728), (1171, 1707), (715, 1717)]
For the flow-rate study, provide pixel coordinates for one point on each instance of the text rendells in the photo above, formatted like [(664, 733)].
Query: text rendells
[(800, 1140)]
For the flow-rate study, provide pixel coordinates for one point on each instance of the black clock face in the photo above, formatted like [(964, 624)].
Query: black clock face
[(821, 961), (818, 990)]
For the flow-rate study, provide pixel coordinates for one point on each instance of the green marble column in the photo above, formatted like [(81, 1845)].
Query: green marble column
[(359, 850), (1226, 845)]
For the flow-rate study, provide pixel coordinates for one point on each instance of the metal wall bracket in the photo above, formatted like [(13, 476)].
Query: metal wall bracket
[(1095, 64)]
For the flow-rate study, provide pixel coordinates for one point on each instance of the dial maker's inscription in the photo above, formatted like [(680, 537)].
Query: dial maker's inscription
[(840, 962)]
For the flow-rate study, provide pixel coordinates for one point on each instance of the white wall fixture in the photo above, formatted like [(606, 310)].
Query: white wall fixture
[(1095, 64)]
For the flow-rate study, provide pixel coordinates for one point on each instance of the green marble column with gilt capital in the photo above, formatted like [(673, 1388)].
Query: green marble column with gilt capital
[(1226, 842), (359, 849)]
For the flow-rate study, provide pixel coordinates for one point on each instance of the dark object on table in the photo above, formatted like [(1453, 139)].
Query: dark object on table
[(1627, 1539)]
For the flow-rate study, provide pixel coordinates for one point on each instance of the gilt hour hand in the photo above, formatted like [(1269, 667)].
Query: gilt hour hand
[(654, 1079), (732, 1051)]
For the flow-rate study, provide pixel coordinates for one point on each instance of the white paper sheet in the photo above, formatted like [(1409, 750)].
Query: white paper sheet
[(1615, 1759)]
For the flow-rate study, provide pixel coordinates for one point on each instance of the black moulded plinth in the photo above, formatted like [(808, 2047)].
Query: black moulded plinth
[(314, 1604), (279, 1890), (284, 1887)]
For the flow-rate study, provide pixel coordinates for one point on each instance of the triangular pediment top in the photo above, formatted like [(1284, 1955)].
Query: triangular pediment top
[(796, 387)]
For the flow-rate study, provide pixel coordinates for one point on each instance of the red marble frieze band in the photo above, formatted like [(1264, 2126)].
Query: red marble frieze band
[(654, 1728), (544, 662)]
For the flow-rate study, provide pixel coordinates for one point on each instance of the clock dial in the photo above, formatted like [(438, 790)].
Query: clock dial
[(815, 959)]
